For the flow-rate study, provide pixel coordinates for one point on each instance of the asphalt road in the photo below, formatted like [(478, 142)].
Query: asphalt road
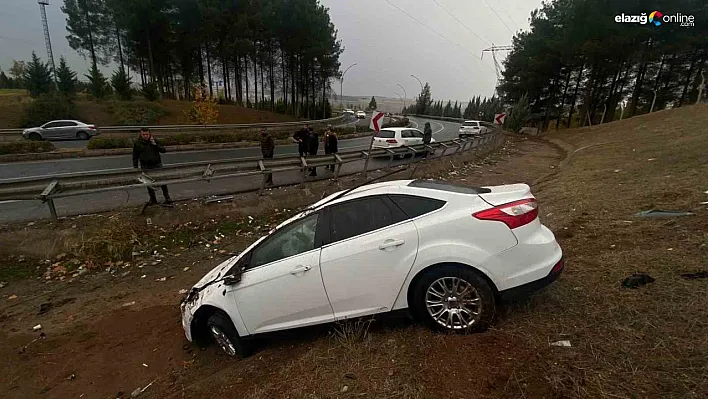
[(12, 211)]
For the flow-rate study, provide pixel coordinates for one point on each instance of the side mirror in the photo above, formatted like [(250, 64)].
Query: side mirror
[(232, 279)]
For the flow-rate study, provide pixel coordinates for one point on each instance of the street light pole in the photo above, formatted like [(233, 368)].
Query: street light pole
[(421, 83), (402, 99), (341, 87), (405, 95)]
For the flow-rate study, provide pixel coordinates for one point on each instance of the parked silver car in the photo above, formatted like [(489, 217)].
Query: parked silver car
[(61, 130)]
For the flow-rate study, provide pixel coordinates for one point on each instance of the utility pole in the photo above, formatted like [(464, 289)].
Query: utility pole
[(341, 87), (47, 40), (653, 102), (497, 68)]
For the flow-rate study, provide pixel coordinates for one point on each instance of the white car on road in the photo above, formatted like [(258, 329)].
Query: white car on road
[(398, 137), (446, 252), (360, 114), (474, 128)]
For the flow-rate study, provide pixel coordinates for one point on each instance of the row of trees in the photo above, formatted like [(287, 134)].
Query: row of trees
[(264, 53), (36, 77), (577, 63), (477, 108)]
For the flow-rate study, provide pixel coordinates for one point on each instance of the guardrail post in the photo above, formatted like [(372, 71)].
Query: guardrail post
[(48, 191), (304, 170), (459, 146), (392, 154), (264, 177), (338, 166)]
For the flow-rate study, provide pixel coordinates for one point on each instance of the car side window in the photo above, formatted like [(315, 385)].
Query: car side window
[(297, 238), (361, 216), (416, 133), (51, 125), (406, 134), (415, 206)]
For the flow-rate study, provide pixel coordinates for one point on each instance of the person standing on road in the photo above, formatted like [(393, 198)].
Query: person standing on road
[(146, 152), (313, 143), (331, 144), (301, 137), (268, 151), (427, 134)]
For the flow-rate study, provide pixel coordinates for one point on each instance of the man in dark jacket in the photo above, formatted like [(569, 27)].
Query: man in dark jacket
[(267, 150), (301, 137), (313, 143), (146, 151), (331, 144), (427, 134)]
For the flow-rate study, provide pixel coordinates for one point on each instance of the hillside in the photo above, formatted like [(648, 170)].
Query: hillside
[(103, 113)]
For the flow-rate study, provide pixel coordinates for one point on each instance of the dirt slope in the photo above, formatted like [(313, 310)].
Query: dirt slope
[(646, 342)]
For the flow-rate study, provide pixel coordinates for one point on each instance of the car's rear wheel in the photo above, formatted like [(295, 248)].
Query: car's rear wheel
[(35, 137), (224, 334), (455, 299), (82, 136)]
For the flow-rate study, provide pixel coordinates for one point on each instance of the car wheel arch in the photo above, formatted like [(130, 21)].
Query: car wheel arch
[(431, 268), (198, 326)]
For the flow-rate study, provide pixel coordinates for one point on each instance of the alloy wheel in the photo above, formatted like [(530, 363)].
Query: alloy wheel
[(453, 303), (223, 341)]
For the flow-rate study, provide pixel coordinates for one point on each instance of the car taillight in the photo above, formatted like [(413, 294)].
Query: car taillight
[(392, 141), (514, 214), (92, 127)]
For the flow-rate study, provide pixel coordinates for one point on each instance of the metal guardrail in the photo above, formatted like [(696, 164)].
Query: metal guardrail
[(182, 128), (49, 188)]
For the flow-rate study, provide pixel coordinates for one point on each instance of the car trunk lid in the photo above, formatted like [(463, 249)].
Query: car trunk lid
[(500, 195)]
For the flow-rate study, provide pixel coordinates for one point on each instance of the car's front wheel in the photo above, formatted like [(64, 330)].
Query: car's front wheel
[(35, 137), (455, 299), (224, 334)]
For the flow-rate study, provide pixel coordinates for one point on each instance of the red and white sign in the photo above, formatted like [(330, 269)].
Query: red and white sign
[(377, 120), (499, 118)]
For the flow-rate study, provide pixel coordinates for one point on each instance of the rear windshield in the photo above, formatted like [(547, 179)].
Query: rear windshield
[(470, 124), (386, 134), (447, 186)]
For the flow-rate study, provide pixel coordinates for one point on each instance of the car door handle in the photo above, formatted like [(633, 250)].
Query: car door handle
[(391, 244), (300, 270)]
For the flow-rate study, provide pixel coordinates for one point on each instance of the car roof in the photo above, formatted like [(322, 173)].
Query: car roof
[(472, 121), (65, 120)]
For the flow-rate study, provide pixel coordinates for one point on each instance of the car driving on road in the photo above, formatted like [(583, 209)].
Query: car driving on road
[(474, 128), (448, 253), (398, 137), (61, 130), (360, 114)]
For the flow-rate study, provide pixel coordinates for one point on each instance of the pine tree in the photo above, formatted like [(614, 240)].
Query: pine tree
[(5, 82), (38, 78), (372, 103), (98, 86), (66, 78), (121, 83)]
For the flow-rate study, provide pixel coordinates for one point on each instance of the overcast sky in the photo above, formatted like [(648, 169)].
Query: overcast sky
[(387, 45)]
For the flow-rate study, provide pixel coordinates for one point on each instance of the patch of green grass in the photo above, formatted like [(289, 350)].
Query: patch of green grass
[(12, 268)]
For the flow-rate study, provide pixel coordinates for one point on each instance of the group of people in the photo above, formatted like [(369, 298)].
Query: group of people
[(146, 153), (308, 144)]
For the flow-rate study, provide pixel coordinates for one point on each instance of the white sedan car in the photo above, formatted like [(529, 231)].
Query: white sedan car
[(474, 128), (360, 114), (398, 137), (446, 252)]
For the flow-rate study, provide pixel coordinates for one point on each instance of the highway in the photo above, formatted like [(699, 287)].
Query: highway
[(12, 211)]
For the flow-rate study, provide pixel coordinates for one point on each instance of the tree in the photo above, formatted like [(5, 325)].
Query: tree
[(98, 85), (424, 100), (121, 84), (37, 78), (518, 114), (87, 23), (5, 82), (66, 78), (205, 109), (18, 70), (447, 112), (372, 103), (48, 107)]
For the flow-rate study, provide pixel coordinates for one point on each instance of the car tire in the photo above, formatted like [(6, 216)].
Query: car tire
[(82, 136), (224, 334), (35, 137), (450, 315)]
